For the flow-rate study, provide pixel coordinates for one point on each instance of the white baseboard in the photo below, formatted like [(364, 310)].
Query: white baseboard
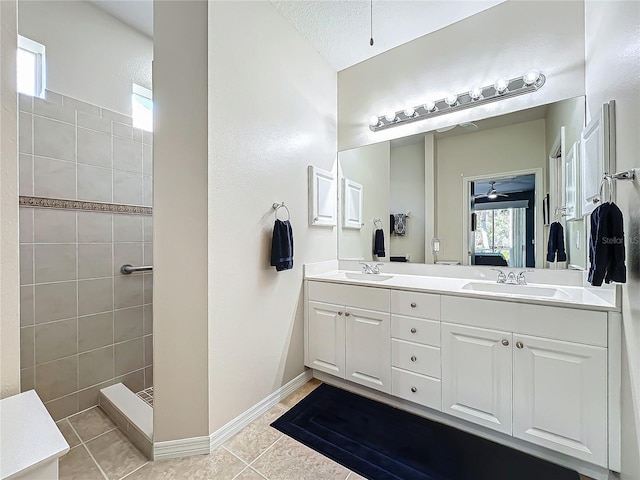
[(204, 445), (227, 431), (184, 447)]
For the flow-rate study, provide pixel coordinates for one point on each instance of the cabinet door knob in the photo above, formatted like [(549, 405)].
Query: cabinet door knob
[(519, 345), (413, 330), (414, 358), (413, 305), (347, 314), (339, 313), (414, 389), (505, 342)]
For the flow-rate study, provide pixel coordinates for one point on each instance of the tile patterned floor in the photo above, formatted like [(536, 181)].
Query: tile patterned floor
[(146, 395), (99, 451)]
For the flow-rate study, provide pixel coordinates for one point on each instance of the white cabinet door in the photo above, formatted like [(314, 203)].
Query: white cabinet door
[(326, 337), (476, 375), (560, 396), (369, 348)]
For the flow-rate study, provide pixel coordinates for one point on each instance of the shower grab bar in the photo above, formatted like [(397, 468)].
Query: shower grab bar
[(128, 269)]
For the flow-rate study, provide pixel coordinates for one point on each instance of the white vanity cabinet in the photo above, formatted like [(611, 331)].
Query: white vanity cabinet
[(476, 375), (550, 392), (543, 374), (348, 333), (415, 347)]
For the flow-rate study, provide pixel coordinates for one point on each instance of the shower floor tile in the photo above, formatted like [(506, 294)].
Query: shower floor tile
[(147, 396)]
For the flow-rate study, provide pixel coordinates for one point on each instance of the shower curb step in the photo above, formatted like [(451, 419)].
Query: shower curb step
[(133, 416)]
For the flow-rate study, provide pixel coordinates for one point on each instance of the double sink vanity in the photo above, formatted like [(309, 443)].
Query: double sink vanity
[(535, 367)]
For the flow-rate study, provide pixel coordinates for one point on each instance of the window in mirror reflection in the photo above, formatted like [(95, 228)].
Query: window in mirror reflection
[(503, 212)]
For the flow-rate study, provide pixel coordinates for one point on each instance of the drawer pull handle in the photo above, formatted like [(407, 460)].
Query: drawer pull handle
[(414, 389), (413, 305), (519, 345), (413, 330), (414, 358), (339, 313), (505, 342), (347, 314)]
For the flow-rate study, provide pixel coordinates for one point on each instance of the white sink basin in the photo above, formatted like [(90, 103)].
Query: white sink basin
[(520, 290), (369, 277)]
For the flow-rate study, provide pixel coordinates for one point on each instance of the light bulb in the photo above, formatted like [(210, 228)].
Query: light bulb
[(501, 85), (475, 93), (430, 106), (531, 77), (390, 117), (451, 99), (409, 111), (374, 121)]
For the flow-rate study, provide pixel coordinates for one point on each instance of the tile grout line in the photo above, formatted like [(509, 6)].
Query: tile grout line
[(87, 449), (136, 469), (266, 450)]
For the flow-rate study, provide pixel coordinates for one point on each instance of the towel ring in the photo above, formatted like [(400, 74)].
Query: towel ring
[(278, 206), (606, 180), (377, 223)]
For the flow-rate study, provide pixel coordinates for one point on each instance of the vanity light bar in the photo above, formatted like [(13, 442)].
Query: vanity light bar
[(501, 89)]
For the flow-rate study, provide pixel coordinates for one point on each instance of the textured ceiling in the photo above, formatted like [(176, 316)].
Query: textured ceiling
[(340, 29)]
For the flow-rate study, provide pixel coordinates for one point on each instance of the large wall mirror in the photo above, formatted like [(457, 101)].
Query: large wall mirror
[(481, 193)]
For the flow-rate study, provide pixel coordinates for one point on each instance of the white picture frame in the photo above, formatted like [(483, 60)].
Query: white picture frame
[(594, 158), (571, 183), (352, 204), (322, 197)]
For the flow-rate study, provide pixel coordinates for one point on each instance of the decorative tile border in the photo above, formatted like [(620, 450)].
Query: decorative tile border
[(57, 203)]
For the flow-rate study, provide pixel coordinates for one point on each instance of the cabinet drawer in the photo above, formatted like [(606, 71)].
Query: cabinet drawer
[(416, 388), (425, 305), (415, 357), (369, 298), (416, 330), (569, 324)]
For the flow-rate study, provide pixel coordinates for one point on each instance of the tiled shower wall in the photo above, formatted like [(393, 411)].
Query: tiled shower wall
[(84, 325)]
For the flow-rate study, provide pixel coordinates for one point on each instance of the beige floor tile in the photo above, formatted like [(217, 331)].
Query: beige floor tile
[(299, 394), (91, 423), (115, 454), (249, 474), (68, 433), (256, 437), (288, 460), (355, 476), (220, 465), (78, 465)]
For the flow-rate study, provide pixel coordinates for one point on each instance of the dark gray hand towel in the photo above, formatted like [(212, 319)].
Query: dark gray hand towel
[(556, 243), (378, 243), (282, 246)]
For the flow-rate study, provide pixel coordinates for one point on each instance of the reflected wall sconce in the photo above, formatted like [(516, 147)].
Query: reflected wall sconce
[(503, 88)]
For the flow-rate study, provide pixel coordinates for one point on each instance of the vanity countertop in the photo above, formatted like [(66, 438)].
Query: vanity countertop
[(539, 294)]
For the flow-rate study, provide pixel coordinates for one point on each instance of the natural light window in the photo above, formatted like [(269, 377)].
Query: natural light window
[(31, 67), (142, 108)]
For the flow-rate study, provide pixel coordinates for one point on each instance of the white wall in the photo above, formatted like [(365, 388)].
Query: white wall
[(9, 297), (612, 73), (368, 166), (272, 111), (506, 40), (407, 190), (181, 382), (499, 150), (91, 55)]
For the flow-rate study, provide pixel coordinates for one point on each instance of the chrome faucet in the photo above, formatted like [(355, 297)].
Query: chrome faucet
[(521, 277), (502, 277), (511, 278), (371, 269)]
